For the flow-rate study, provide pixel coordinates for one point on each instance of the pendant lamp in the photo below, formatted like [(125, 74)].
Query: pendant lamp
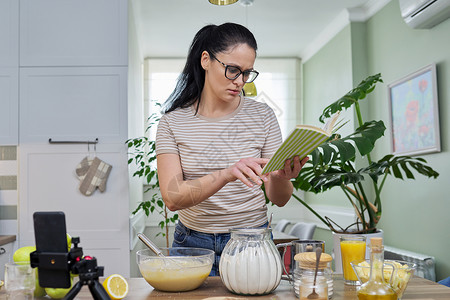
[(250, 89), (222, 2)]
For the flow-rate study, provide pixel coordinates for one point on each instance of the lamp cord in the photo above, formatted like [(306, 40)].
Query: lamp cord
[(246, 16)]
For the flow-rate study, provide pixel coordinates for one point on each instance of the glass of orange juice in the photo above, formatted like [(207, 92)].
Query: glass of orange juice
[(353, 247)]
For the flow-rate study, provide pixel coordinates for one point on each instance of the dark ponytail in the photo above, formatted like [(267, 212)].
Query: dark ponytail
[(213, 39)]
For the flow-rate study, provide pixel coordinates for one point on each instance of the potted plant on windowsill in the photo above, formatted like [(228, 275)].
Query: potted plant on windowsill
[(333, 165)]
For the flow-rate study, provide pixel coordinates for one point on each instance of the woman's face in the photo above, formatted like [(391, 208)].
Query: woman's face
[(216, 84)]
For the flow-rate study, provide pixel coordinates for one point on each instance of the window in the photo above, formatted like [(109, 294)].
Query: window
[(277, 85), (159, 82)]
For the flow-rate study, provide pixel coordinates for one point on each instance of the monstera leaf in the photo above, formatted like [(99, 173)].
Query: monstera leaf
[(351, 98), (343, 149), (400, 166)]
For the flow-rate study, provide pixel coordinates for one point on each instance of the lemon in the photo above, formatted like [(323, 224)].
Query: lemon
[(57, 293), (23, 254), (69, 241), (116, 286)]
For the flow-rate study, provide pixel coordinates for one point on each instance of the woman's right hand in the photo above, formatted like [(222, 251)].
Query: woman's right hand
[(247, 170)]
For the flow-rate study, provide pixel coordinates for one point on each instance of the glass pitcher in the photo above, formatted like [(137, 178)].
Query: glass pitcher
[(250, 263)]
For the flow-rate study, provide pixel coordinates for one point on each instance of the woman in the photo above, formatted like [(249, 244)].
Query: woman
[(212, 143)]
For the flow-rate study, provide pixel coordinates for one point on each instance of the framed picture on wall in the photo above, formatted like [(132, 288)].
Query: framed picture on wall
[(414, 114)]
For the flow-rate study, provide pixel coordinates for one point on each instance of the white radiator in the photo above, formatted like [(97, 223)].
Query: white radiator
[(425, 263)]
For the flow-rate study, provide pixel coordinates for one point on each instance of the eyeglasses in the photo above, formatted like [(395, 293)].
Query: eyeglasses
[(233, 72)]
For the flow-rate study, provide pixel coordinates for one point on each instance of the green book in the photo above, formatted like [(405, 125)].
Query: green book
[(301, 141)]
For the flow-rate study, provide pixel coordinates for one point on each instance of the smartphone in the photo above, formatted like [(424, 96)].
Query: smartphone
[(52, 249)]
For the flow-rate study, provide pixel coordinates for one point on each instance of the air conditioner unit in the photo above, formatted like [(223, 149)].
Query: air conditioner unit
[(424, 14)]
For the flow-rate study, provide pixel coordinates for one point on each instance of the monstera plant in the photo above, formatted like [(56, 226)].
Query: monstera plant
[(333, 165)]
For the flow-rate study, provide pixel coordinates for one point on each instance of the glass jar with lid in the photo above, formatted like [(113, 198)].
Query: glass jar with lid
[(306, 267), (308, 286), (250, 263)]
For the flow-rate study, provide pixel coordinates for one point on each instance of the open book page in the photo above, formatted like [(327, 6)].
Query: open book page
[(301, 141), (330, 124)]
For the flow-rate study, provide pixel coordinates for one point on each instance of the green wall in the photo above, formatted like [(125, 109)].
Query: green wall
[(326, 77), (415, 212)]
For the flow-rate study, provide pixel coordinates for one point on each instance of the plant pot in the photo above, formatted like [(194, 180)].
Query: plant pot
[(337, 247)]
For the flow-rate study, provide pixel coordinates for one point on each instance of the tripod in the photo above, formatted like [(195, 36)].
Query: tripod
[(88, 273)]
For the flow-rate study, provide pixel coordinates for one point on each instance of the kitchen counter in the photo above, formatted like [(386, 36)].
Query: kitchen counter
[(5, 239), (213, 289)]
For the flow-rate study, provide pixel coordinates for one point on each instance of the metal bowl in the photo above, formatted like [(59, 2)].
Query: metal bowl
[(183, 269), (398, 281)]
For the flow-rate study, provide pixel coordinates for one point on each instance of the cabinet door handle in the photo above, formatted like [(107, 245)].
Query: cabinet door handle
[(2, 251)]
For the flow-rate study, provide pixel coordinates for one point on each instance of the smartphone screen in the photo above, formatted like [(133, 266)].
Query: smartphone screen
[(52, 249)]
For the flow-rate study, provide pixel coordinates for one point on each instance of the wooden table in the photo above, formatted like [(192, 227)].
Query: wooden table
[(213, 289)]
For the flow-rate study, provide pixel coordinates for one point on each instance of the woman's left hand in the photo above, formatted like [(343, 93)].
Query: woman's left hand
[(289, 173)]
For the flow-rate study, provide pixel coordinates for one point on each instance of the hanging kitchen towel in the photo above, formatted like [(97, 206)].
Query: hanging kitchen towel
[(96, 175)]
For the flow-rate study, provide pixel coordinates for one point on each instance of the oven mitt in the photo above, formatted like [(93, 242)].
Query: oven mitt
[(93, 173), (83, 167)]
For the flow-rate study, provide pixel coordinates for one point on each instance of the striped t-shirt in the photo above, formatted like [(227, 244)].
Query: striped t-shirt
[(206, 145)]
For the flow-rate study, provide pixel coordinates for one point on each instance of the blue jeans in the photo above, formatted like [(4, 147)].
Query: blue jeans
[(185, 237)]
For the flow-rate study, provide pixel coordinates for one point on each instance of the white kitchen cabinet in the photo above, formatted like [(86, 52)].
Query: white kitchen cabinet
[(9, 106), (48, 182), (73, 87), (73, 33), (9, 33), (67, 103), (9, 70)]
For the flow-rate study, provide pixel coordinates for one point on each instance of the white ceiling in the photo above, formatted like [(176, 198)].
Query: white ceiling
[(283, 28)]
